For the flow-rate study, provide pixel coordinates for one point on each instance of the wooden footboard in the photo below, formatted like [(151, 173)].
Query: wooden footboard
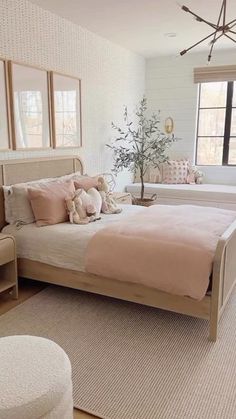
[(210, 307), (127, 291), (224, 277)]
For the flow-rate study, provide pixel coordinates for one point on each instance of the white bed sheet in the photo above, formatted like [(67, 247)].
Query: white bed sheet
[(62, 245)]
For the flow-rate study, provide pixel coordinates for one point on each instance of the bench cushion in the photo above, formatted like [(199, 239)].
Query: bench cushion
[(206, 194)]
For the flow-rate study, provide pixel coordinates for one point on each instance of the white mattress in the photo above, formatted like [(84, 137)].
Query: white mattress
[(62, 245), (204, 192)]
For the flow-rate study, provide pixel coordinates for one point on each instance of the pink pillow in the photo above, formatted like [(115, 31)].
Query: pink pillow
[(175, 171), (48, 204), (86, 182)]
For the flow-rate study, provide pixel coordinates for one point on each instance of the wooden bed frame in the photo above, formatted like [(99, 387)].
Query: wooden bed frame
[(210, 307)]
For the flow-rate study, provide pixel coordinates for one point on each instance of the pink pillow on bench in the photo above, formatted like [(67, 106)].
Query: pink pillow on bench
[(48, 204), (175, 171)]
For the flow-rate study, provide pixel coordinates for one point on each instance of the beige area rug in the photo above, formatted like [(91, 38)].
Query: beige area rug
[(131, 361)]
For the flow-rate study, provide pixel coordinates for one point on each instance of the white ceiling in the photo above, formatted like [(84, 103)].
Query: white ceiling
[(140, 25)]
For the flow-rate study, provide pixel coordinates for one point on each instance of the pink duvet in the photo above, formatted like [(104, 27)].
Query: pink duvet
[(170, 248)]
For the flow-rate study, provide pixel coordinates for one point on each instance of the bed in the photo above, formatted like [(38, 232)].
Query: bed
[(221, 196), (62, 245), (210, 307)]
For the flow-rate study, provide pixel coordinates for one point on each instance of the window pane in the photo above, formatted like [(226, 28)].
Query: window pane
[(210, 151), (213, 95), (233, 122), (232, 151), (211, 122)]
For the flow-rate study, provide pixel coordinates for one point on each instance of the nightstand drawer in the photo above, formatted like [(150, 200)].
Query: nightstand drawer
[(7, 250)]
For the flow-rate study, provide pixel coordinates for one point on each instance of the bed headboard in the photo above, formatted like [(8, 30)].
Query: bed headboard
[(18, 171)]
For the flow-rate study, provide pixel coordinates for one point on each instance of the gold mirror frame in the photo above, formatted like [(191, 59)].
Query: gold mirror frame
[(169, 125)]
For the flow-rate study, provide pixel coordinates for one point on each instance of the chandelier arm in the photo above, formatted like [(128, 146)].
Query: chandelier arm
[(197, 43), (199, 18), (232, 21), (218, 22), (224, 13), (232, 26), (218, 37), (210, 52), (232, 39), (213, 44), (223, 6)]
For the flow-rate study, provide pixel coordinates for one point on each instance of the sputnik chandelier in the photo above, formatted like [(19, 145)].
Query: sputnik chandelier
[(220, 29)]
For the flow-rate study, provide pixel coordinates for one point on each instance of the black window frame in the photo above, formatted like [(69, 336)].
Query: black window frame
[(227, 127)]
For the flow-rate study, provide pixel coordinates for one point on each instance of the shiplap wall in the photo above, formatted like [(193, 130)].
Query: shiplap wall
[(170, 88), (111, 76)]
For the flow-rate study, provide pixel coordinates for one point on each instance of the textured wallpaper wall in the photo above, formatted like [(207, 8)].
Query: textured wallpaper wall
[(111, 76)]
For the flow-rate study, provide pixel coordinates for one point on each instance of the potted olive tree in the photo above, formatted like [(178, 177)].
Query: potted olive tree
[(140, 145)]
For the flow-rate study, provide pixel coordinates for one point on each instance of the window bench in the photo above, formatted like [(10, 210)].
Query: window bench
[(221, 196)]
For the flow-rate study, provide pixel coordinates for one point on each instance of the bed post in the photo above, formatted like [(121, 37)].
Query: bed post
[(216, 293), (214, 319)]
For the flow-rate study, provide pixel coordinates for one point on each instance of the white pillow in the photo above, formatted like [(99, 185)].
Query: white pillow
[(16, 202)]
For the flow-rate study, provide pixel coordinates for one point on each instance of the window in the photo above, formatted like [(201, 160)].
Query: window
[(216, 130)]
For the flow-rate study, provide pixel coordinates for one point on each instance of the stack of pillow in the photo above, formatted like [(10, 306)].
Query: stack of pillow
[(43, 201)]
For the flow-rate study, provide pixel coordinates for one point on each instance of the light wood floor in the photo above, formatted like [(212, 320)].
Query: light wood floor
[(27, 289)]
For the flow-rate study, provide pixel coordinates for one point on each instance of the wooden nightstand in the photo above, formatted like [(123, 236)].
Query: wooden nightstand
[(8, 265), (122, 197)]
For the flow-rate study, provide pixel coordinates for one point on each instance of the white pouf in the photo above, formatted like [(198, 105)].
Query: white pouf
[(35, 379)]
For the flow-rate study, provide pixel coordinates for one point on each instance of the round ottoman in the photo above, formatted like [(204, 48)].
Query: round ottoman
[(35, 379)]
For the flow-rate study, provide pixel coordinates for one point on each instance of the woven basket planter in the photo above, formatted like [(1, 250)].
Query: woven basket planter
[(145, 202)]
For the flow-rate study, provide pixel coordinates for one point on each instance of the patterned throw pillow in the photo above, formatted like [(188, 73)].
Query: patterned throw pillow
[(175, 171)]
